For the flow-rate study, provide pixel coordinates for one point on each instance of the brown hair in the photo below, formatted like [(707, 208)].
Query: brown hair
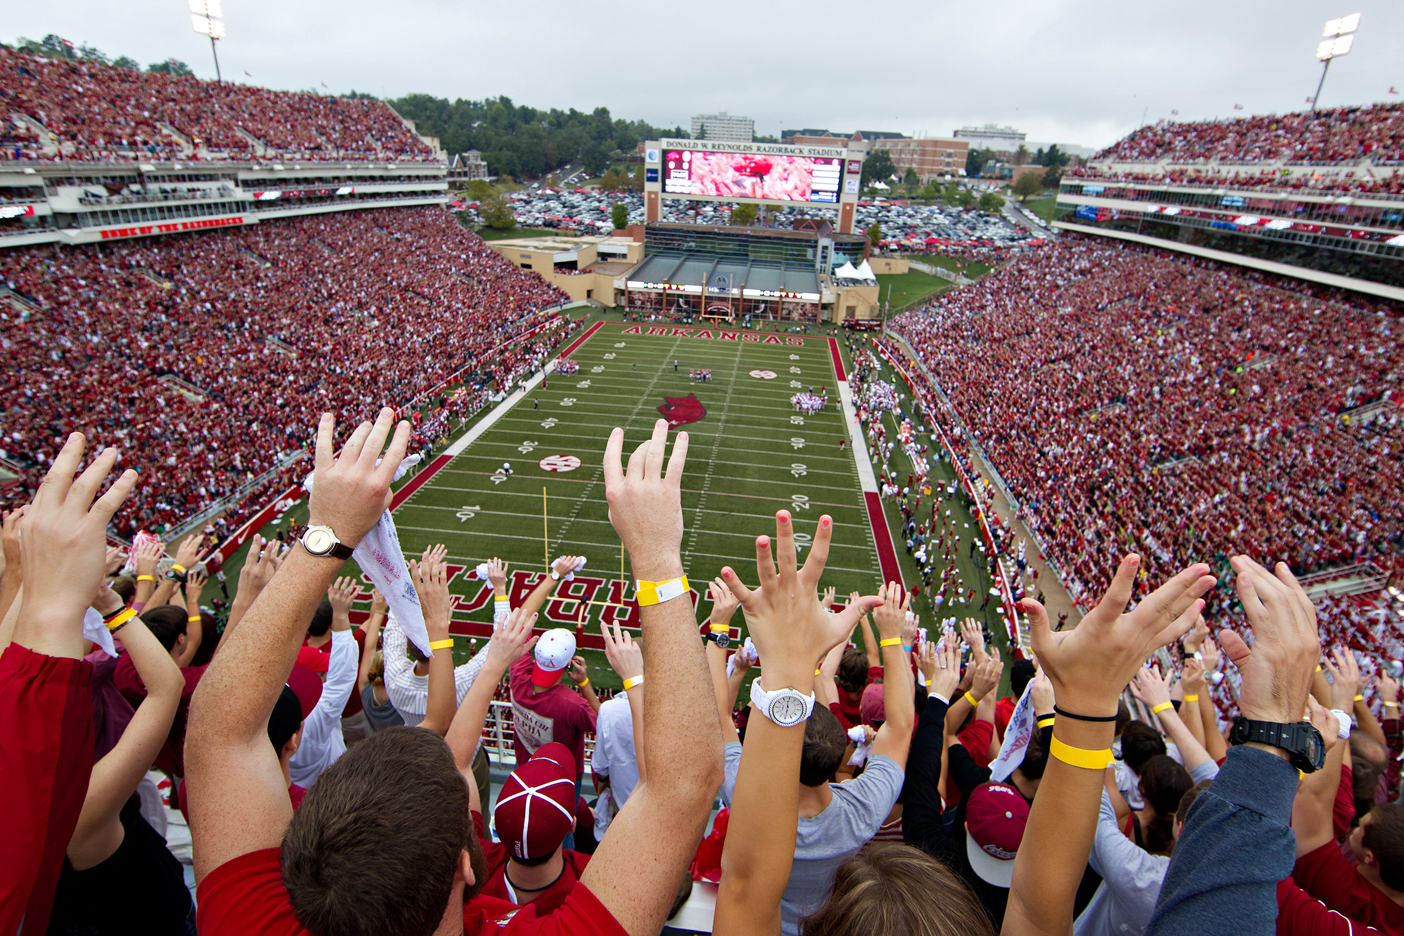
[(889, 889), (166, 624), (1164, 784), (375, 845), (1139, 743), (125, 587), (1384, 835), (852, 672), (1186, 801), (824, 745)]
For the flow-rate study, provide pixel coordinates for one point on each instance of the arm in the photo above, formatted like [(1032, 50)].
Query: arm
[(260, 563), (1154, 691), (501, 602), (1246, 813), (9, 541), (1196, 693), (894, 738), (115, 777), (1313, 810), (1214, 741), (870, 643), (236, 791), (922, 825), (537, 598), (372, 629), (626, 657), (636, 869), (1131, 874), (430, 578), (194, 622), (793, 633), (724, 605), (148, 558), (1088, 667), (1346, 682), (580, 675)]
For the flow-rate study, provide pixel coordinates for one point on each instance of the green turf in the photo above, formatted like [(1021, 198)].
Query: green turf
[(971, 268), (748, 458), (908, 289), (1043, 207)]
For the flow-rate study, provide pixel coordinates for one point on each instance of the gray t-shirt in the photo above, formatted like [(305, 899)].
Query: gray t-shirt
[(824, 842), (379, 716)]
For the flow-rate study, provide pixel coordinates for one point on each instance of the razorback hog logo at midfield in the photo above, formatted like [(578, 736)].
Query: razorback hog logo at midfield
[(679, 411)]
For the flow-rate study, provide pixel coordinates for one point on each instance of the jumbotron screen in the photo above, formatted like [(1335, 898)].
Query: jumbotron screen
[(752, 175)]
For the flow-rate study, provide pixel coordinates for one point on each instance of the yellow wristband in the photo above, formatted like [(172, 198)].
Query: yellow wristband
[(974, 702), (193, 618), (119, 619), (1360, 698), (177, 567), (631, 683), (890, 642), (1080, 757), (441, 644), (146, 578), (583, 683), (720, 628), (1392, 704), (1191, 698), (1157, 709), (502, 598), (1045, 721), (652, 593)]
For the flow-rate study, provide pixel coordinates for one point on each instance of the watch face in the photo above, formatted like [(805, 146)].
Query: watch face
[(318, 541), (722, 640), (787, 709)]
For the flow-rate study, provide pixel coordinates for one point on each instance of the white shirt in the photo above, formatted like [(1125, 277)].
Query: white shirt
[(614, 751), (322, 742), (409, 692)]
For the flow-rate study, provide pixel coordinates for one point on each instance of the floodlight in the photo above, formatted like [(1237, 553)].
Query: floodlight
[(207, 27), (1335, 27), (1332, 48)]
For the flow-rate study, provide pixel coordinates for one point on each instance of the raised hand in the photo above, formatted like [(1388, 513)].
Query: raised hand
[(497, 575), (510, 642), (148, 558), (9, 540), (724, 603), (1345, 678), (1389, 690), (430, 578), (645, 504), (342, 593), (947, 673), (828, 598), (791, 630), (1090, 664), (260, 563), (971, 633), (350, 491), (927, 660), (624, 655), (987, 676), (1195, 638), (65, 548), (1277, 669), (115, 559), (891, 616), (194, 587), (579, 673), (378, 603), (911, 631), (1041, 693), (1150, 687), (188, 554), (565, 564)]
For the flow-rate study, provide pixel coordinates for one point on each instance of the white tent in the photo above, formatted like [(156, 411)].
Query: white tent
[(848, 272), (865, 272), (881, 186)]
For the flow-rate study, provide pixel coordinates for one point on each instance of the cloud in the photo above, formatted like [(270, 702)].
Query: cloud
[(1075, 71)]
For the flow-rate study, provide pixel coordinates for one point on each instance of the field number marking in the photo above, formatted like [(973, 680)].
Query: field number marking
[(498, 476), (794, 357), (583, 385), (467, 513), (526, 447), (799, 502), (797, 442), (795, 370), (568, 401), (548, 422), (797, 420), (619, 344), (798, 470)]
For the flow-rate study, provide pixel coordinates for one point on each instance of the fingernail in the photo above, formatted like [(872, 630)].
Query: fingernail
[(783, 516), (826, 522), (763, 542)]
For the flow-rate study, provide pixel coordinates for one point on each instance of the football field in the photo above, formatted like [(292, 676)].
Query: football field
[(751, 454)]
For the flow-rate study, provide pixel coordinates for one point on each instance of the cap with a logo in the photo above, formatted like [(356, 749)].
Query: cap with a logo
[(536, 808), (554, 651), (994, 826)]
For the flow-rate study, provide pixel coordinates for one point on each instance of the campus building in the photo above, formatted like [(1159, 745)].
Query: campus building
[(723, 128)]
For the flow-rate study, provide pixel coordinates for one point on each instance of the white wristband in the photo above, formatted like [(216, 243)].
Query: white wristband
[(1342, 724)]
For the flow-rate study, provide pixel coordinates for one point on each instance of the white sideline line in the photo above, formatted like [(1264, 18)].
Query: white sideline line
[(866, 479)]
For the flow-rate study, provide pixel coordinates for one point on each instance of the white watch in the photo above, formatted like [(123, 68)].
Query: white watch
[(785, 707)]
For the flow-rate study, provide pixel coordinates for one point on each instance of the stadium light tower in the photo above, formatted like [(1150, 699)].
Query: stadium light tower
[(206, 19), (1338, 38)]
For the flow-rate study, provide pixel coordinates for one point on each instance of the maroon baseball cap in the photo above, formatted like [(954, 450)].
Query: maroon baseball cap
[(318, 661), (307, 687), (994, 826), (872, 705), (536, 808)]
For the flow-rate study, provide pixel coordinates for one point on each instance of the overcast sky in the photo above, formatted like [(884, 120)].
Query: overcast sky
[(1072, 71)]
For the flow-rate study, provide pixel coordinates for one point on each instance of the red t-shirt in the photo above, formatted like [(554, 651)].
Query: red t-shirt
[(545, 901), (1299, 915), (171, 758), (1004, 710), (558, 714), (1326, 875), (976, 739), (246, 895)]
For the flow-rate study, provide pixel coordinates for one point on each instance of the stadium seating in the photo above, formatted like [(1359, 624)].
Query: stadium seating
[(1133, 399), (97, 112), (207, 356)]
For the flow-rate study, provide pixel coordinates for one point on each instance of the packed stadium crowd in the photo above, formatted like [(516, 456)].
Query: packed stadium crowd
[(1345, 180), (207, 357), (94, 112), (882, 779), (1143, 379), (1329, 135)]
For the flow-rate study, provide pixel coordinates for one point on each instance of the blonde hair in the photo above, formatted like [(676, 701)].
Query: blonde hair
[(376, 673), (889, 889)]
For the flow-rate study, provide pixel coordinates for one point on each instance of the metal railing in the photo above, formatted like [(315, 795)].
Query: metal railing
[(499, 738)]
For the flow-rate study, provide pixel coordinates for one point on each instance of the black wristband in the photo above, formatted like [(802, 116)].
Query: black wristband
[(1099, 718)]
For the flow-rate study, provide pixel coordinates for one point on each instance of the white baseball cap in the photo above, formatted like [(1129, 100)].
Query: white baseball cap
[(554, 651)]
